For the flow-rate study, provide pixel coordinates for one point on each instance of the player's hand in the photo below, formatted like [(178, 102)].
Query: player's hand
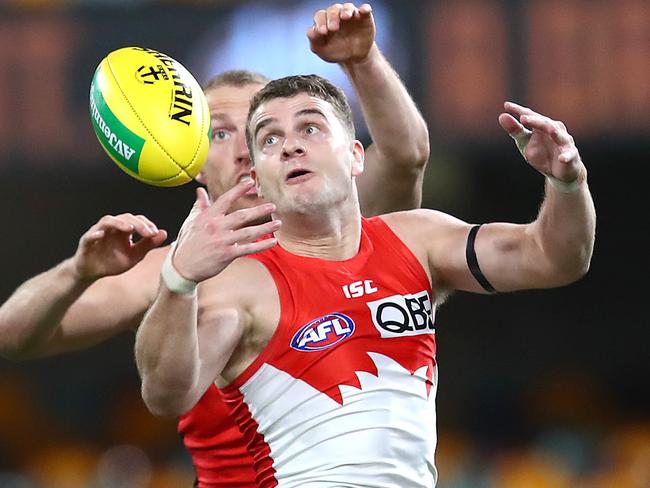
[(108, 247), (544, 143), (211, 238), (343, 33)]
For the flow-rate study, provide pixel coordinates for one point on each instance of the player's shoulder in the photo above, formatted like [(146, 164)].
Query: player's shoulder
[(243, 281), (427, 232), (421, 220)]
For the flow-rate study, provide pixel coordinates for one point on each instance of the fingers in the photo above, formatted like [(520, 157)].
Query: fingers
[(510, 125), (225, 201), (253, 247), (554, 129), (569, 155), (517, 131), (364, 10), (516, 109), (320, 22), (252, 233), (347, 11), (330, 19), (125, 223), (240, 218), (334, 17), (202, 199), (146, 244)]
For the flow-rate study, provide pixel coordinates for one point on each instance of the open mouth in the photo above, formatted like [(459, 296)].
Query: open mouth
[(296, 174)]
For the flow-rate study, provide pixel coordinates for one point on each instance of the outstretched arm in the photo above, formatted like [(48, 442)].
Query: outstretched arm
[(551, 251), (80, 302), (396, 159), (170, 340), (556, 248)]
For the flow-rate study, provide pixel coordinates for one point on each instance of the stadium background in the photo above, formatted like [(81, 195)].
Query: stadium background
[(537, 389)]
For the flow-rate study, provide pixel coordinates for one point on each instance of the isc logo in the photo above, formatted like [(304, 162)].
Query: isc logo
[(359, 288), (403, 315), (323, 332)]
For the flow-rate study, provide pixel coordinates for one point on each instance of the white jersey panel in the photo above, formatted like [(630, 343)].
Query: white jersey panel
[(382, 436)]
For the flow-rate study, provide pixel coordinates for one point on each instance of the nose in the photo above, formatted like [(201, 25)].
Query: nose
[(292, 147), (242, 156)]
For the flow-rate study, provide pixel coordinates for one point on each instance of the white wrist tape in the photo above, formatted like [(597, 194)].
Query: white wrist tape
[(563, 186), (173, 280)]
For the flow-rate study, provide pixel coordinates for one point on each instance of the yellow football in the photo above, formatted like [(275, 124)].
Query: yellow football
[(150, 116)]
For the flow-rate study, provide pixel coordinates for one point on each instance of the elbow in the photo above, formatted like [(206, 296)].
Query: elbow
[(415, 156), (409, 152), (17, 350), (168, 404), (567, 272), (420, 151), (167, 396), (580, 264)]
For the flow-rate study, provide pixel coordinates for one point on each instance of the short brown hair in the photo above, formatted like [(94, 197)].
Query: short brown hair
[(236, 77), (291, 86)]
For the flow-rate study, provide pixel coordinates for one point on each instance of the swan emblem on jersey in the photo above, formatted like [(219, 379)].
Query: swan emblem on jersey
[(323, 332)]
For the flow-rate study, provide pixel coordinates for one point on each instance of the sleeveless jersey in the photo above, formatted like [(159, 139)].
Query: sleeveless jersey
[(219, 453), (343, 395)]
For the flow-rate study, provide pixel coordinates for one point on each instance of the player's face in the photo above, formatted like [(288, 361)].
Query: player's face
[(228, 159), (304, 157)]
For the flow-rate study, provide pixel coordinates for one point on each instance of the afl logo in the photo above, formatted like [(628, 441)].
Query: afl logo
[(323, 332)]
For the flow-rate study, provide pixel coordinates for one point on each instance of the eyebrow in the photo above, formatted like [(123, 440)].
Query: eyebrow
[(263, 124), (310, 111), (222, 117), (305, 111)]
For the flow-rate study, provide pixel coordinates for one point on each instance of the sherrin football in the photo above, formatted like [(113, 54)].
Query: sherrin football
[(150, 116)]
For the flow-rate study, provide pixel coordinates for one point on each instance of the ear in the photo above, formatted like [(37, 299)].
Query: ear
[(358, 158), (257, 182)]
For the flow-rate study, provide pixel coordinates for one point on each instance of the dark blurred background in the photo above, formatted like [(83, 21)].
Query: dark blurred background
[(537, 389)]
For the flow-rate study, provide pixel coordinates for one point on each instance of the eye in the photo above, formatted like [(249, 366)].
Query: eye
[(220, 135), (312, 129), (270, 140)]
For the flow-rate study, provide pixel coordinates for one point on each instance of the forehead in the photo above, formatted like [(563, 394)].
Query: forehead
[(229, 99), (279, 108)]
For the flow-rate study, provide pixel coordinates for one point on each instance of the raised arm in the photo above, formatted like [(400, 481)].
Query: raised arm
[(556, 248), (79, 302), (553, 250), (396, 159), (178, 355)]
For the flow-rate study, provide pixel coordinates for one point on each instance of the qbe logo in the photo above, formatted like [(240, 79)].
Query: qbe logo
[(323, 332), (403, 315)]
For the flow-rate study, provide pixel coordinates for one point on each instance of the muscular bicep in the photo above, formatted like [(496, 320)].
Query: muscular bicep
[(510, 257), (494, 257), (440, 242), (386, 187)]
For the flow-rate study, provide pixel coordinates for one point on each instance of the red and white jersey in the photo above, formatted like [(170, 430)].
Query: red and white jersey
[(344, 393), (217, 447)]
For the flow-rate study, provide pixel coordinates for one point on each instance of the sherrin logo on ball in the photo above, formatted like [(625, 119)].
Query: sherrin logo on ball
[(150, 115)]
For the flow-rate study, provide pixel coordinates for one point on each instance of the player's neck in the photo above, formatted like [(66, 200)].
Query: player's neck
[(334, 235)]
